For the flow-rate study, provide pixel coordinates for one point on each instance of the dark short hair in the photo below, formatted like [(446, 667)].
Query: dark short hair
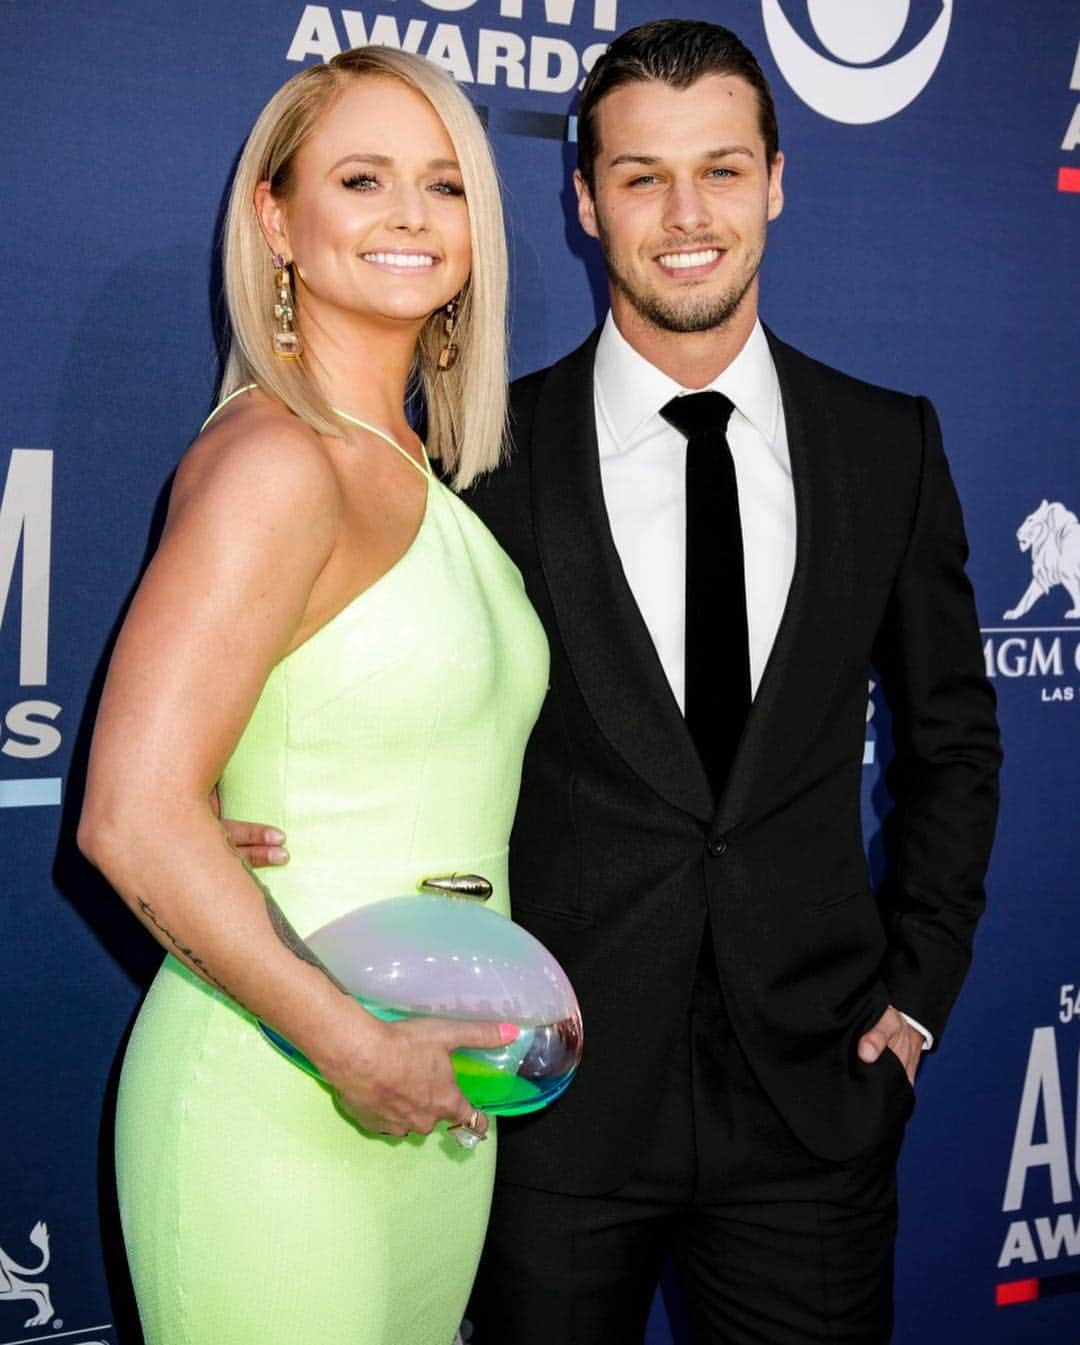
[(677, 52)]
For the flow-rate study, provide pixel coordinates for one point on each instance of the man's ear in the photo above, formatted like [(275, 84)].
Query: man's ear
[(273, 220), (776, 190), (586, 207)]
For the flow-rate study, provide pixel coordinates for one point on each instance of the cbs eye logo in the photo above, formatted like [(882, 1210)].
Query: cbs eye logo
[(858, 62)]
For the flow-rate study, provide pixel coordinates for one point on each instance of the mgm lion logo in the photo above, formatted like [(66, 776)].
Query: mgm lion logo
[(1052, 535), (15, 1279)]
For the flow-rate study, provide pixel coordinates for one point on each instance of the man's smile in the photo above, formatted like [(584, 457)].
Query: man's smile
[(699, 262)]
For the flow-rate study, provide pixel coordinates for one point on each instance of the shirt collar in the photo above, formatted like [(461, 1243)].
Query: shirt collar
[(630, 391)]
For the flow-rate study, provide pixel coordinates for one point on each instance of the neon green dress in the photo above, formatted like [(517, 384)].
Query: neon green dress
[(387, 747)]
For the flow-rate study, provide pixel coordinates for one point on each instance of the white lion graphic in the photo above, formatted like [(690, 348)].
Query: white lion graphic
[(14, 1282), (1052, 535)]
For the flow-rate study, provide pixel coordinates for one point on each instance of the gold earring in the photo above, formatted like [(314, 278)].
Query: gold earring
[(449, 353), (287, 342)]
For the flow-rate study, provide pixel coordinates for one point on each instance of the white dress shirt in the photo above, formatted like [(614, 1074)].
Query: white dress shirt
[(643, 473), (643, 470)]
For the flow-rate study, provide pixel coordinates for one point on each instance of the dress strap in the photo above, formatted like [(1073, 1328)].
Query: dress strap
[(248, 387), (381, 434), (361, 424)]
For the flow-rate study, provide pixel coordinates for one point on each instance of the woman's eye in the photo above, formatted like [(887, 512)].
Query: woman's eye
[(448, 188), (360, 182)]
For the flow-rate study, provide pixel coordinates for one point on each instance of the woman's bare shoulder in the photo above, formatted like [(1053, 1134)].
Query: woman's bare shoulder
[(255, 454)]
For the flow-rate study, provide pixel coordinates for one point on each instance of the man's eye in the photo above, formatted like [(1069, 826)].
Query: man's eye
[(360, 182), (645, 180), (721, 172)]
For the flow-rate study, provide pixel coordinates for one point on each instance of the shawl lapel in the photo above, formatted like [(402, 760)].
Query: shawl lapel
[(808, 650), (610, 651), (607, 643)]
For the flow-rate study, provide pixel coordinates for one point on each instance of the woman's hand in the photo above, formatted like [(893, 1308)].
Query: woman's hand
[(401, 1080), (260, 846)]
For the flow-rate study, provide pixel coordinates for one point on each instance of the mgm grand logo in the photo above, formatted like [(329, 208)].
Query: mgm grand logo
[(19, 1283), (1050, 539)]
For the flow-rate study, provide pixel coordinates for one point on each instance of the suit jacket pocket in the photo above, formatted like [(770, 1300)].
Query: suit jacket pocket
[(828, 904), (845, 946), (525, 911)]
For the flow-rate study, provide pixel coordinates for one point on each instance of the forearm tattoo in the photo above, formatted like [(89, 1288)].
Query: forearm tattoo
[(279, 923), (187, 954)]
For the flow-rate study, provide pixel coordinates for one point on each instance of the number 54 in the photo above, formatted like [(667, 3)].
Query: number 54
[(1070, 1003)]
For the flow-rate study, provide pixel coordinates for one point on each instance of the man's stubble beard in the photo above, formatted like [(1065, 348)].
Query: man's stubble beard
[(688, 314)]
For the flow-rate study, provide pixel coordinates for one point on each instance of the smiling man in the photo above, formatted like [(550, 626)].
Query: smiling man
[(680, 201), (722, 536)]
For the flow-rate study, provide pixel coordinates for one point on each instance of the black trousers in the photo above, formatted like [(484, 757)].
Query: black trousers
[(772, 1245)]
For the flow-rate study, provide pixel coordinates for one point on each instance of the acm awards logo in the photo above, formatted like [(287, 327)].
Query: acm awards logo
[(1043, 1168), (1069, 175), (1046, 655), (853, 61), (484, 56), (27, 729)]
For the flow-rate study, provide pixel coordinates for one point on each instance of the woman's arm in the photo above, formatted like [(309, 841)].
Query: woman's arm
[(253, 521)]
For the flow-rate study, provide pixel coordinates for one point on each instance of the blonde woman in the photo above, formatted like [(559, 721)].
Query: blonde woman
[(328, 633)]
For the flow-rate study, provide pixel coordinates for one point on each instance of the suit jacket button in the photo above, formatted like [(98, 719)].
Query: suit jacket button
[(717, 846)]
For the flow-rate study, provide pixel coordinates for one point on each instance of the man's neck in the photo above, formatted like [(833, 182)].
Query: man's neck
[(692, 359)]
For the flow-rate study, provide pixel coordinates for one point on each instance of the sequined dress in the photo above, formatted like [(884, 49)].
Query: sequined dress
[(387, 747)]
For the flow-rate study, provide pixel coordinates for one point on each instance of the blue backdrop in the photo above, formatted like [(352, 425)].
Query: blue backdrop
[(929, 242)]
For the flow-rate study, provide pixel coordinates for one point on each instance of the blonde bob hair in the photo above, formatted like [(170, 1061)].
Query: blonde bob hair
[(466, 405)]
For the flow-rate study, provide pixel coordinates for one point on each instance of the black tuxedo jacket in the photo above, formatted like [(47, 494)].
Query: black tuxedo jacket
[(619, 849)]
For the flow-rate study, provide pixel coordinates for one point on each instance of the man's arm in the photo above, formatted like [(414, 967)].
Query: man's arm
[(943, 777)]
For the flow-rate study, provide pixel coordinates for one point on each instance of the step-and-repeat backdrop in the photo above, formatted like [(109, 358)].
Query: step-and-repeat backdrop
[(931, 241)]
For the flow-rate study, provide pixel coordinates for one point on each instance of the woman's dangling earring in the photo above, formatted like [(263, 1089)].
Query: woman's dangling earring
[(449, 353), (287, 342)]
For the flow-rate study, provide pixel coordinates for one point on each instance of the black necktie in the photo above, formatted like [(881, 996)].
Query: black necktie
[(717, 645)]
